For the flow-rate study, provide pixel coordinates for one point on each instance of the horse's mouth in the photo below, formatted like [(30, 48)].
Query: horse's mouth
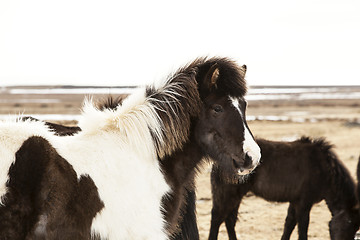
[(240, 169), (243, 172), (243, 167)]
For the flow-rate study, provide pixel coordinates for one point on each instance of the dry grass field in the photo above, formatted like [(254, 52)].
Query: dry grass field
[(337, 120)]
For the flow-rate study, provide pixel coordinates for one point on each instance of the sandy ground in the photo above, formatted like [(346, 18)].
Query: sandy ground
[(336, 120)]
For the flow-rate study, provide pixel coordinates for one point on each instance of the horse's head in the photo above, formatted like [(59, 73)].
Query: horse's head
[(344, 224), (222, 131)]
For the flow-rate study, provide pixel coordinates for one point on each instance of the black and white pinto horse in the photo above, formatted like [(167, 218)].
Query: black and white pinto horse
[(127, 173), (302, 172)]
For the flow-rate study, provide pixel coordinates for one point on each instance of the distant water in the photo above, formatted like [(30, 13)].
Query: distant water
[(254, 93), (87, 90), (302, 93)]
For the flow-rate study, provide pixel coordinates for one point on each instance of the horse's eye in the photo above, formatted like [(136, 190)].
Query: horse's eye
[(217, 108)]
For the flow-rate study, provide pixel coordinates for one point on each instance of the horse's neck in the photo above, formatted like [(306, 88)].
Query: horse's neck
[(180, 171), (181, 166), (337, 202)]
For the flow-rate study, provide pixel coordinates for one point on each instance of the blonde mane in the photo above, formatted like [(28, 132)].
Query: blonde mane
[(159, 116)]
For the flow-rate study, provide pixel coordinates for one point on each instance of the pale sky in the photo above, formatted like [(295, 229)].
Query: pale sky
[(86, 42)]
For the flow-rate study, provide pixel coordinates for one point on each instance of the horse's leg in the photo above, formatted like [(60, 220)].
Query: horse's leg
[(230, 222), (290, 222), (225, 204), (302, 218), (216, 219), (188, 225)]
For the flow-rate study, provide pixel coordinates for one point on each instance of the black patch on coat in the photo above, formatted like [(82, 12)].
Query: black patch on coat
[(45, 200)]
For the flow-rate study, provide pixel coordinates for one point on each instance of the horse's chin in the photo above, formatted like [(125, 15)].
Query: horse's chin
[(235, 177), (230, 173), (244, 172)]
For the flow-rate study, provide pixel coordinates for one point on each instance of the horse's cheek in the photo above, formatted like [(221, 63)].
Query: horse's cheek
[(207, 139)]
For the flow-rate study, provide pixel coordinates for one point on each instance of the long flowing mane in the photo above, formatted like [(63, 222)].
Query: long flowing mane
[(167, 109), (155, 114), (175, 103)]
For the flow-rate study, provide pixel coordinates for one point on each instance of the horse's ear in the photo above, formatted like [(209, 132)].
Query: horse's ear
[(243, 69), (212, 76)]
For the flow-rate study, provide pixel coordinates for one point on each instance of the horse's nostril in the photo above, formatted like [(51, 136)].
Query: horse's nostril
[(248, 160), (236, 163), (247, 157)]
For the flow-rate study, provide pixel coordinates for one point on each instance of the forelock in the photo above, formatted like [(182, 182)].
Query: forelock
[(231, 79)]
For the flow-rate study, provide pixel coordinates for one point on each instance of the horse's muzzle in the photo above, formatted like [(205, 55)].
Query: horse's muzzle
[(245, 165)]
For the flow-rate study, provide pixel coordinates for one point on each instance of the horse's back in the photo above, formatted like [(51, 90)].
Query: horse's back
[(72, 187), (289, 170)]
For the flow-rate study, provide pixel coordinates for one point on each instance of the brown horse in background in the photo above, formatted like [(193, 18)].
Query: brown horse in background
[(302, 173)]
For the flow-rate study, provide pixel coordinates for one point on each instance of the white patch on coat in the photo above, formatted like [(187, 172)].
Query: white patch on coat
[(115, 148), (250, 147)]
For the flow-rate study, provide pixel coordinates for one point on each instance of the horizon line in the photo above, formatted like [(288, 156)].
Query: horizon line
[(135, 86)]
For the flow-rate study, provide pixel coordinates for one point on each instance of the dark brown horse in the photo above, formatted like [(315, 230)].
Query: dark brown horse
[(131, 168), (303, 173)]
